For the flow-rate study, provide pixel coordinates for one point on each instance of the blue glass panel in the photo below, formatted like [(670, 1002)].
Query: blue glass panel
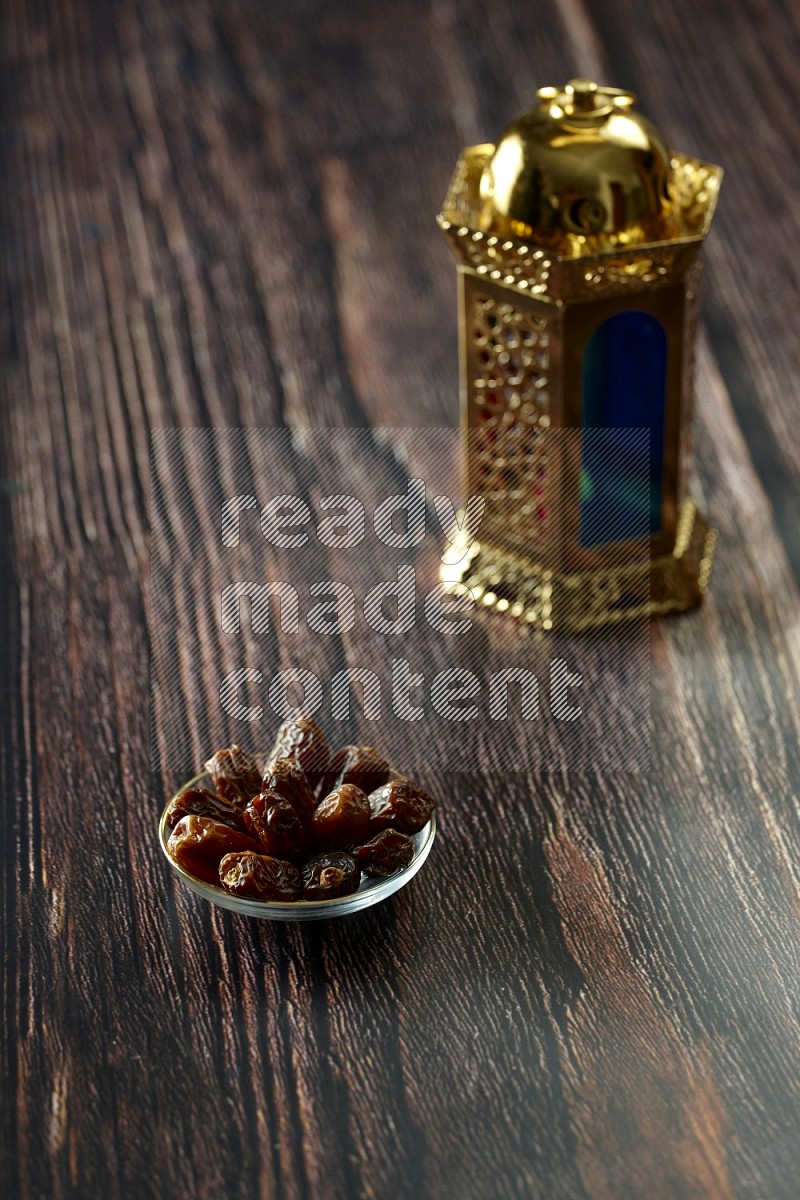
[(624, 389)]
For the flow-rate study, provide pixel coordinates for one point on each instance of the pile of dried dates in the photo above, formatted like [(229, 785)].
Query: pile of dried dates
[(304, 828)]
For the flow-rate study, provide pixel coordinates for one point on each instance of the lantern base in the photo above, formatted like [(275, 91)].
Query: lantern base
[(550, 599)]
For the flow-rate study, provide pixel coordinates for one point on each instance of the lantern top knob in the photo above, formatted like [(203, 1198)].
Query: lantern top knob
[(580, 171)]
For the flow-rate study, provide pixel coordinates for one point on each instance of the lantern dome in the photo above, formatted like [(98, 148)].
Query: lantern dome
[(579, 172)]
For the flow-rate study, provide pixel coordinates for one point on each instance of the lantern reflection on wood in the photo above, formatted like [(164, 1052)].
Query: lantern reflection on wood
[(579, 239)]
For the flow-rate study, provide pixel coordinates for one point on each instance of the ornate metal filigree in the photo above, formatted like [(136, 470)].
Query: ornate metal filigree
[(545, 598), (527, 311), (508, 365), (518, 263)]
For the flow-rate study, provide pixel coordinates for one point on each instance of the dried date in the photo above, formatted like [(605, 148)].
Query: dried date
[(342, 818), (198, 844), (236, 775), (331, 874), (302, 739), (286, 778), (400, 805), (361, 765), (277, 826), (260, 877), (385, 854), (271, 837), (200, 802)]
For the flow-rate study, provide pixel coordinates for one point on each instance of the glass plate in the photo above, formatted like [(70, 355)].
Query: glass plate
[(370, 891)]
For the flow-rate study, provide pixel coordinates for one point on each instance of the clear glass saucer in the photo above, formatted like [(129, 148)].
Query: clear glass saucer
[(371, 891)]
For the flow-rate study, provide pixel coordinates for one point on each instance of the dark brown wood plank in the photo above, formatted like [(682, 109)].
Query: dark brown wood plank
[(221, 215)]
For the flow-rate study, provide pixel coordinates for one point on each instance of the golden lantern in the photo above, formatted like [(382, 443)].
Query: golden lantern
[(578, 238)]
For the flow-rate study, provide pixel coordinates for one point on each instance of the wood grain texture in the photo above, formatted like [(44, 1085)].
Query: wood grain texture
[(222, 214)]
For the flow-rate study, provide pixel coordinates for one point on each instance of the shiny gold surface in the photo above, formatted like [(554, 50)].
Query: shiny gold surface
[(532, 289), (544, 598), (554, 275), (580, 171), (521, 394)]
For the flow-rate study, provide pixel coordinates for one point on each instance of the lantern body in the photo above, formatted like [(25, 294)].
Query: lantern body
[(577, 364)]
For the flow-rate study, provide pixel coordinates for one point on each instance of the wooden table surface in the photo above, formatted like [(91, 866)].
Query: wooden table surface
[(220, 213)]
